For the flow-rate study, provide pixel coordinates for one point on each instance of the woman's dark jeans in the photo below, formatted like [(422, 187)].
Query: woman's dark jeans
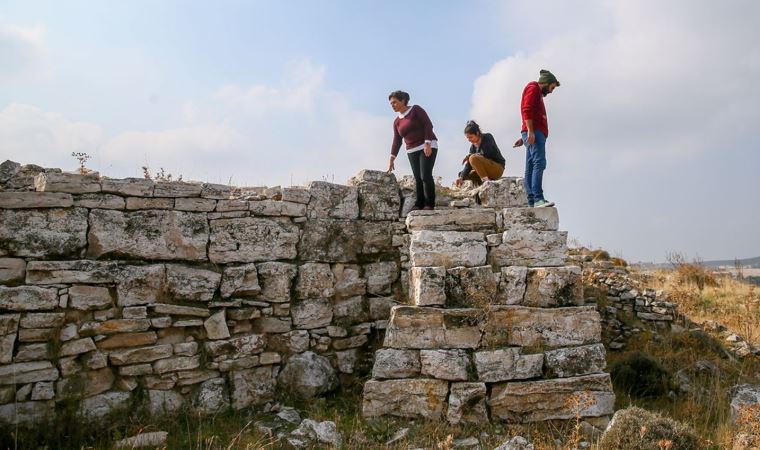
[(422, 168)]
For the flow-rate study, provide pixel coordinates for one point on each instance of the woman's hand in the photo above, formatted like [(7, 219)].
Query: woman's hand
[(518, 143), (458, 182), (428, 150), (391, 166)]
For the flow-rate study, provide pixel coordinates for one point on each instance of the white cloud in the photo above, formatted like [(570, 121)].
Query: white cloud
[(20, 49)]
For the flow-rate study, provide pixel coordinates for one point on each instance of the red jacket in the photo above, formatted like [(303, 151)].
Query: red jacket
[(415, 128), (532, 107)]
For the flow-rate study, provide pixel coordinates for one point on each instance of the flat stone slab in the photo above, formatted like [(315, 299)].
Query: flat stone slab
[(575, 361), (333, 200), (447, 248), (424, 327), (507, 364), (465, 219), (542, 328), (72, 183), (152, 234), (507, 192), (427, 286), (554, 286), (532, 248), (18, 200), (43, 233), (542, 219), (252, 239), (412, 398), (534, 401)]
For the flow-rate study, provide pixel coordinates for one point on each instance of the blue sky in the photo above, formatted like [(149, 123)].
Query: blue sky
[(652, 146)]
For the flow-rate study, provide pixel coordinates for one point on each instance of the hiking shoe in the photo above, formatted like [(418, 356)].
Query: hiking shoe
[(543, 204)]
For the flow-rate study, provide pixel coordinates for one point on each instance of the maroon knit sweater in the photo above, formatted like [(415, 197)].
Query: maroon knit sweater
[(415, 128)]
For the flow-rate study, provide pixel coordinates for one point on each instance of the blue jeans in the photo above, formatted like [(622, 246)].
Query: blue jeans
[(535, 163)]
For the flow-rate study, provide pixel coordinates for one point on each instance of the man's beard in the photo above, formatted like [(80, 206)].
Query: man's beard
[(545, 91)]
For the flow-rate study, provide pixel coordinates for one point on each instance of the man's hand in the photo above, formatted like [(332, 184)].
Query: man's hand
[(466, 158), (518, 143), (458, 182), (391, 166), (531, 138), (428, 150)]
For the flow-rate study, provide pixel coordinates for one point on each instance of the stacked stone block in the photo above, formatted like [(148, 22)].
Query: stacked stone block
[(496, 328)]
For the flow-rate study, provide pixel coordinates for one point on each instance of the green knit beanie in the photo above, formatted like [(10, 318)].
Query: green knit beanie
[(546, 77)]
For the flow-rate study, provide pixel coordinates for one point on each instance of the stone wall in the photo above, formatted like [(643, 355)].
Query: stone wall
[(186, 294)]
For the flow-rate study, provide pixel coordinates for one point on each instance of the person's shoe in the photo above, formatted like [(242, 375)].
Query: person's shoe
[(484, 179), (530, 205), (543, 204), (415, 208), (427, 208)]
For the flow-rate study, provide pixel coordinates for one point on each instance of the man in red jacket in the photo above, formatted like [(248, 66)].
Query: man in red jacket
[(535, 130)]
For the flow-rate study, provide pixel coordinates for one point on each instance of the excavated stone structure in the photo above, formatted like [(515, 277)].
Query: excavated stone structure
[(497, 328)]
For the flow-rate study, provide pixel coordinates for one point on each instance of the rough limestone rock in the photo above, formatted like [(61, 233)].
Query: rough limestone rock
[(427, 286), (212, 397), (466, 219), (533, 401), (150, 234), (506, 192), (27, 413), (348, 281), (420, 397), (307, 375), (396, 363), (275, 279), (380, 276), (516, 443), (447, 249), (28, 372), (507, 364), (251, 239), (240, 281), (379, 195), (132, 187), (575, 361), (190, 283), (452, 365), (512, 285), (554, 286), (344, 241), (143, 440), (43, 233), (251, 387), (332, 200), (18, 200), (99, 407), (72, 183), (164, 403), (530, 248), (139, 285), (471, 286), (315, 280), (87, 298), (542, 327), (311, 313), (467, 404), (322, 432), (542, 219), (71, 272), (28, 298), (424, 327), (216, 326), (743, 395), (12, 271)]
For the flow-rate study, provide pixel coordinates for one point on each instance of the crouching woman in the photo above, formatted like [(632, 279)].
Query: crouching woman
[(484, 162)]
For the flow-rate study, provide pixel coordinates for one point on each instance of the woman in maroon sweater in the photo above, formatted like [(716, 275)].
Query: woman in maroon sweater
[(414, 126)]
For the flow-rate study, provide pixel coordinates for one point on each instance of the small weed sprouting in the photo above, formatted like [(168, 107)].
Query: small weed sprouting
[(82, 158), (161, 175), (578, 402)]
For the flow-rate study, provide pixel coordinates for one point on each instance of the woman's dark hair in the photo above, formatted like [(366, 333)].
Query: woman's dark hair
[(400, 96), (472, 128)]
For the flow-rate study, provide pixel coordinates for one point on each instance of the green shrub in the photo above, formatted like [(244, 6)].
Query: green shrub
[(640, 375), (638, 429)]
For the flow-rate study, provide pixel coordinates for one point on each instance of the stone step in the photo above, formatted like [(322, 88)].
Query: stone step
[(505, 192), (469, 219), (413, 327)]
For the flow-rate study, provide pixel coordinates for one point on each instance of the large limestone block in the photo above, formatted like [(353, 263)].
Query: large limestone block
[(424, 398), (574, 361), (315, 280), (12, 270), (164, 403), (252, 387), (379, 195), (275, 279), (237, 347), (542, 219), (467, 404), (452, 365), (251, 239), (311, 313), (381, 276), (151, 234), (307, 375), (471, 287), (423, 327), (19, 200), (240, 281), (43, 233), (534, 401), (102, 201), (133, 187), (554, 286), (376, 237), (190, 283), (114, 326), (343, 241), (512, 285), (464, 219), (542, 327), (71, 272), (140, 355), (28, 298), (72, 183), (427, 286), (395, 363), (332, 200), (506, 192), (140, 285), (507, 364), (87, 298), (212, 397), (348, 281), (85, 384), (177, 189), (28, 372), (530, 248), (447, 248)]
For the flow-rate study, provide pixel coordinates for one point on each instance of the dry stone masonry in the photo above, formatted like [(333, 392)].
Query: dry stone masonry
[(204, 297), (497, 328)]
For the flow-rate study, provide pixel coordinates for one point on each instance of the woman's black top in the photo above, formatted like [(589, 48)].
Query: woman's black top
[(488, 148)]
